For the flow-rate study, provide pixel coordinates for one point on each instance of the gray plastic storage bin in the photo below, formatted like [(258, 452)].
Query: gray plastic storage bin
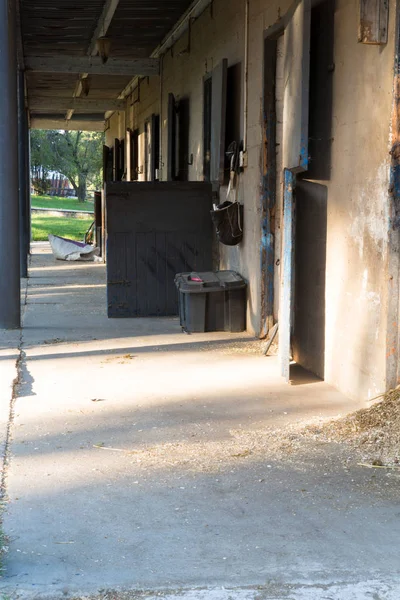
[(212, 301)]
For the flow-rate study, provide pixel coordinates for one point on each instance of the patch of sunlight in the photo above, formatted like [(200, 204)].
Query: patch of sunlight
[(63, 266), (33, 288)]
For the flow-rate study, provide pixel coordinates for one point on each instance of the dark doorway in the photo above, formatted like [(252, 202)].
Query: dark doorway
[(308, 336), (270, 243), (207, 129), (182, 150), (219, 77), (115, 173), (321, 90), (118, 160), (148, 154), (135, 155), (152, 147), (121, 161), (156, 146), (233, 125), (171, 138), (108, 162)]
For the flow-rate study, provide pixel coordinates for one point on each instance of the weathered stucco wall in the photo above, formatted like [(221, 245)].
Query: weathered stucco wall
[(358, 218), (357, 201)]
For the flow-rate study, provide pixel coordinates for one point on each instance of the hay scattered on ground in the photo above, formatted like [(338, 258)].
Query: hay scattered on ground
[(372, 435), (250, 347), (202, 453), (374, 431)]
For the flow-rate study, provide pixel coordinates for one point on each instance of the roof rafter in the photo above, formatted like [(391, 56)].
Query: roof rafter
[(81, 125), (93, 65), (86, 104), (104, 22)]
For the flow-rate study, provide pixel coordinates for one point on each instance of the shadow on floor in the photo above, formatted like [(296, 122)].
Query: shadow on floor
[(300, 376)]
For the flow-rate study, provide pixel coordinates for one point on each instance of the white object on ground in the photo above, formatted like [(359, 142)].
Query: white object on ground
[(65, 249)]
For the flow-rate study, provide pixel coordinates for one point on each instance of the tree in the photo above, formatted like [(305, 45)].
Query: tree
[(75, 154), (40, 161)]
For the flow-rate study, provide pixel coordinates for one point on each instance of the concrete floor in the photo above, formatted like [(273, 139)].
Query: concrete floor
[(119, 476)]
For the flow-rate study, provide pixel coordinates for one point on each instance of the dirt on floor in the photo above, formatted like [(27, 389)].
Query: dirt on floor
[(369, 436), (372, 435), (373, 432)]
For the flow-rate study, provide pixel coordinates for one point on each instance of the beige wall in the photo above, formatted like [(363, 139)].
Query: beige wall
[(358, 219), (357, 248), (115, 128)]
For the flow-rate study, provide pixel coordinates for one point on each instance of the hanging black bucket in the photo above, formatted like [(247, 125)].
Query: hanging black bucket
[(228, 220)]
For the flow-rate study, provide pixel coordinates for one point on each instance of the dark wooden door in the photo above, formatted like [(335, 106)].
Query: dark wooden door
[(155, 230)]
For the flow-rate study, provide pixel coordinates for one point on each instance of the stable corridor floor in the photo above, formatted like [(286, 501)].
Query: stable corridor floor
[(131, 463)]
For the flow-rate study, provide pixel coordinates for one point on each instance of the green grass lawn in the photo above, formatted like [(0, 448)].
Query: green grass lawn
[(56, 202), (68, 227)]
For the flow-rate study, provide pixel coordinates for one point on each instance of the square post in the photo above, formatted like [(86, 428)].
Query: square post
[(23, 176), (10, 302)]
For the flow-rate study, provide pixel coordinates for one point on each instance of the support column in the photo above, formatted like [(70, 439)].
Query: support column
[(10, 302), (23, 169), (28, 186)]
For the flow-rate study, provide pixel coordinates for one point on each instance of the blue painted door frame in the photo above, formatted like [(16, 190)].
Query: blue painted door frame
[(285, 311), (295, 158)]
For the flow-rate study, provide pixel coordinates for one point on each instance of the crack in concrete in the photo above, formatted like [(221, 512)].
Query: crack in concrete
[(6, 457), (19, 365)]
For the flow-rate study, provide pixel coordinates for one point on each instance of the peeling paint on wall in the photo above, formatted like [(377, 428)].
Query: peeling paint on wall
[(370, 220)]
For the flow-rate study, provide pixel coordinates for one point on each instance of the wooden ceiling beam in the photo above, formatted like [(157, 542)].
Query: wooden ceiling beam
[(104, 22), (62, 124), (93, 65), (93, 105)]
